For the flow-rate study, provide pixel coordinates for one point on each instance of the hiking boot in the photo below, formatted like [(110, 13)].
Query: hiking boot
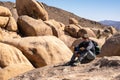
[(68, 63), (73, 65)]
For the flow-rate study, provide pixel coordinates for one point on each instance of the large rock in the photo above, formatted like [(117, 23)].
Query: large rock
[(104, 34), (5, 12), (72, 29), (12, 62), (68, 40), (57, 27), (8, 34), (73, 21), (42, 51), (32, 9), (14, 13), (32, 27), (107, 68), (3, 21), (14, 70), (12, 25), (88, 31), (112, 30), (111, 46)]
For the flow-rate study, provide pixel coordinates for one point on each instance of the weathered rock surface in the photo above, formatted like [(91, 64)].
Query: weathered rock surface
[(5, 34), (73, 21), (6, 20), (12, 62), (12, 25), (31, 8), (111, 46), (32, 27), (72, 29), (42, 51), (3, 21), (14, 13), (100, 69), (5, 12), (68, 40), (47, 50), (57, 27), (112, 30), (88, 31)]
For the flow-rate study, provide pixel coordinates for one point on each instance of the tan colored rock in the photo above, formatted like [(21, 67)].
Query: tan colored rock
[(4, 21), (111, 46), (5, 12), (12, 25), (11, 55), (88, 31), (102, 69), (104, 34), (31, 8), (5, 34), (57, 27), (73, 21), (42, 51), (14, 70), (32, 27), (72, 30), (112, 30), (68, 40), (14, 13), (12, 62)]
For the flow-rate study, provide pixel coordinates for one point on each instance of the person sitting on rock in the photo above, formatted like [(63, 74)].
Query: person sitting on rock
[(85, 51)]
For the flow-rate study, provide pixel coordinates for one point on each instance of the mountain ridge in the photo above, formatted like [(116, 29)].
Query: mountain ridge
[(116, 24)]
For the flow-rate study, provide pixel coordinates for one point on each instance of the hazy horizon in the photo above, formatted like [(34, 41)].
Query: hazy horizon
[(97, 10)]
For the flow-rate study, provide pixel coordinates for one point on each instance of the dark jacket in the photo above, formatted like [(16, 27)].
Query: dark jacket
[(88, 45)]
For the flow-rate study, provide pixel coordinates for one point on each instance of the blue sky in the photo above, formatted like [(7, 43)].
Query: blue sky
[(91, 9)]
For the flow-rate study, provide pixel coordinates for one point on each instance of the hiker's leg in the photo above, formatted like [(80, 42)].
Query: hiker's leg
[(82, 56), (73, 58), (91, 55)]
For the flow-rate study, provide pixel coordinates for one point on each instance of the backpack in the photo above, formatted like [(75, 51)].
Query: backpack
[(97, 48)]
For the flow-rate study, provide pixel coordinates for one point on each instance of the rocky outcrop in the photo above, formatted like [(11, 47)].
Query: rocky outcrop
[(3, 21), (32, 9), (12, 26), (73, 21), (57, 27), (88, 31), (68, 40), (42, 51), (14, 13), (6, 20), (72, 29), (106, 68), (5, 34), (29, 26), (111, 46), (12, 62), (5, 11), (112, 30)]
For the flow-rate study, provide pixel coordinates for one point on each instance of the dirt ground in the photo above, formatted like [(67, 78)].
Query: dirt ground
[(99, 69)]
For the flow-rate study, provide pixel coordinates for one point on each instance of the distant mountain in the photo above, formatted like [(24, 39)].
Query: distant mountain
[(116, 24)]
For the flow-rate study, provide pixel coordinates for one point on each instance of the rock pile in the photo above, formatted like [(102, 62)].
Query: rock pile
[(33, 40)]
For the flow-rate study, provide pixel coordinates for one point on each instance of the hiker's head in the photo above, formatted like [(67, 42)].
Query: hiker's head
[(85, 36)]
